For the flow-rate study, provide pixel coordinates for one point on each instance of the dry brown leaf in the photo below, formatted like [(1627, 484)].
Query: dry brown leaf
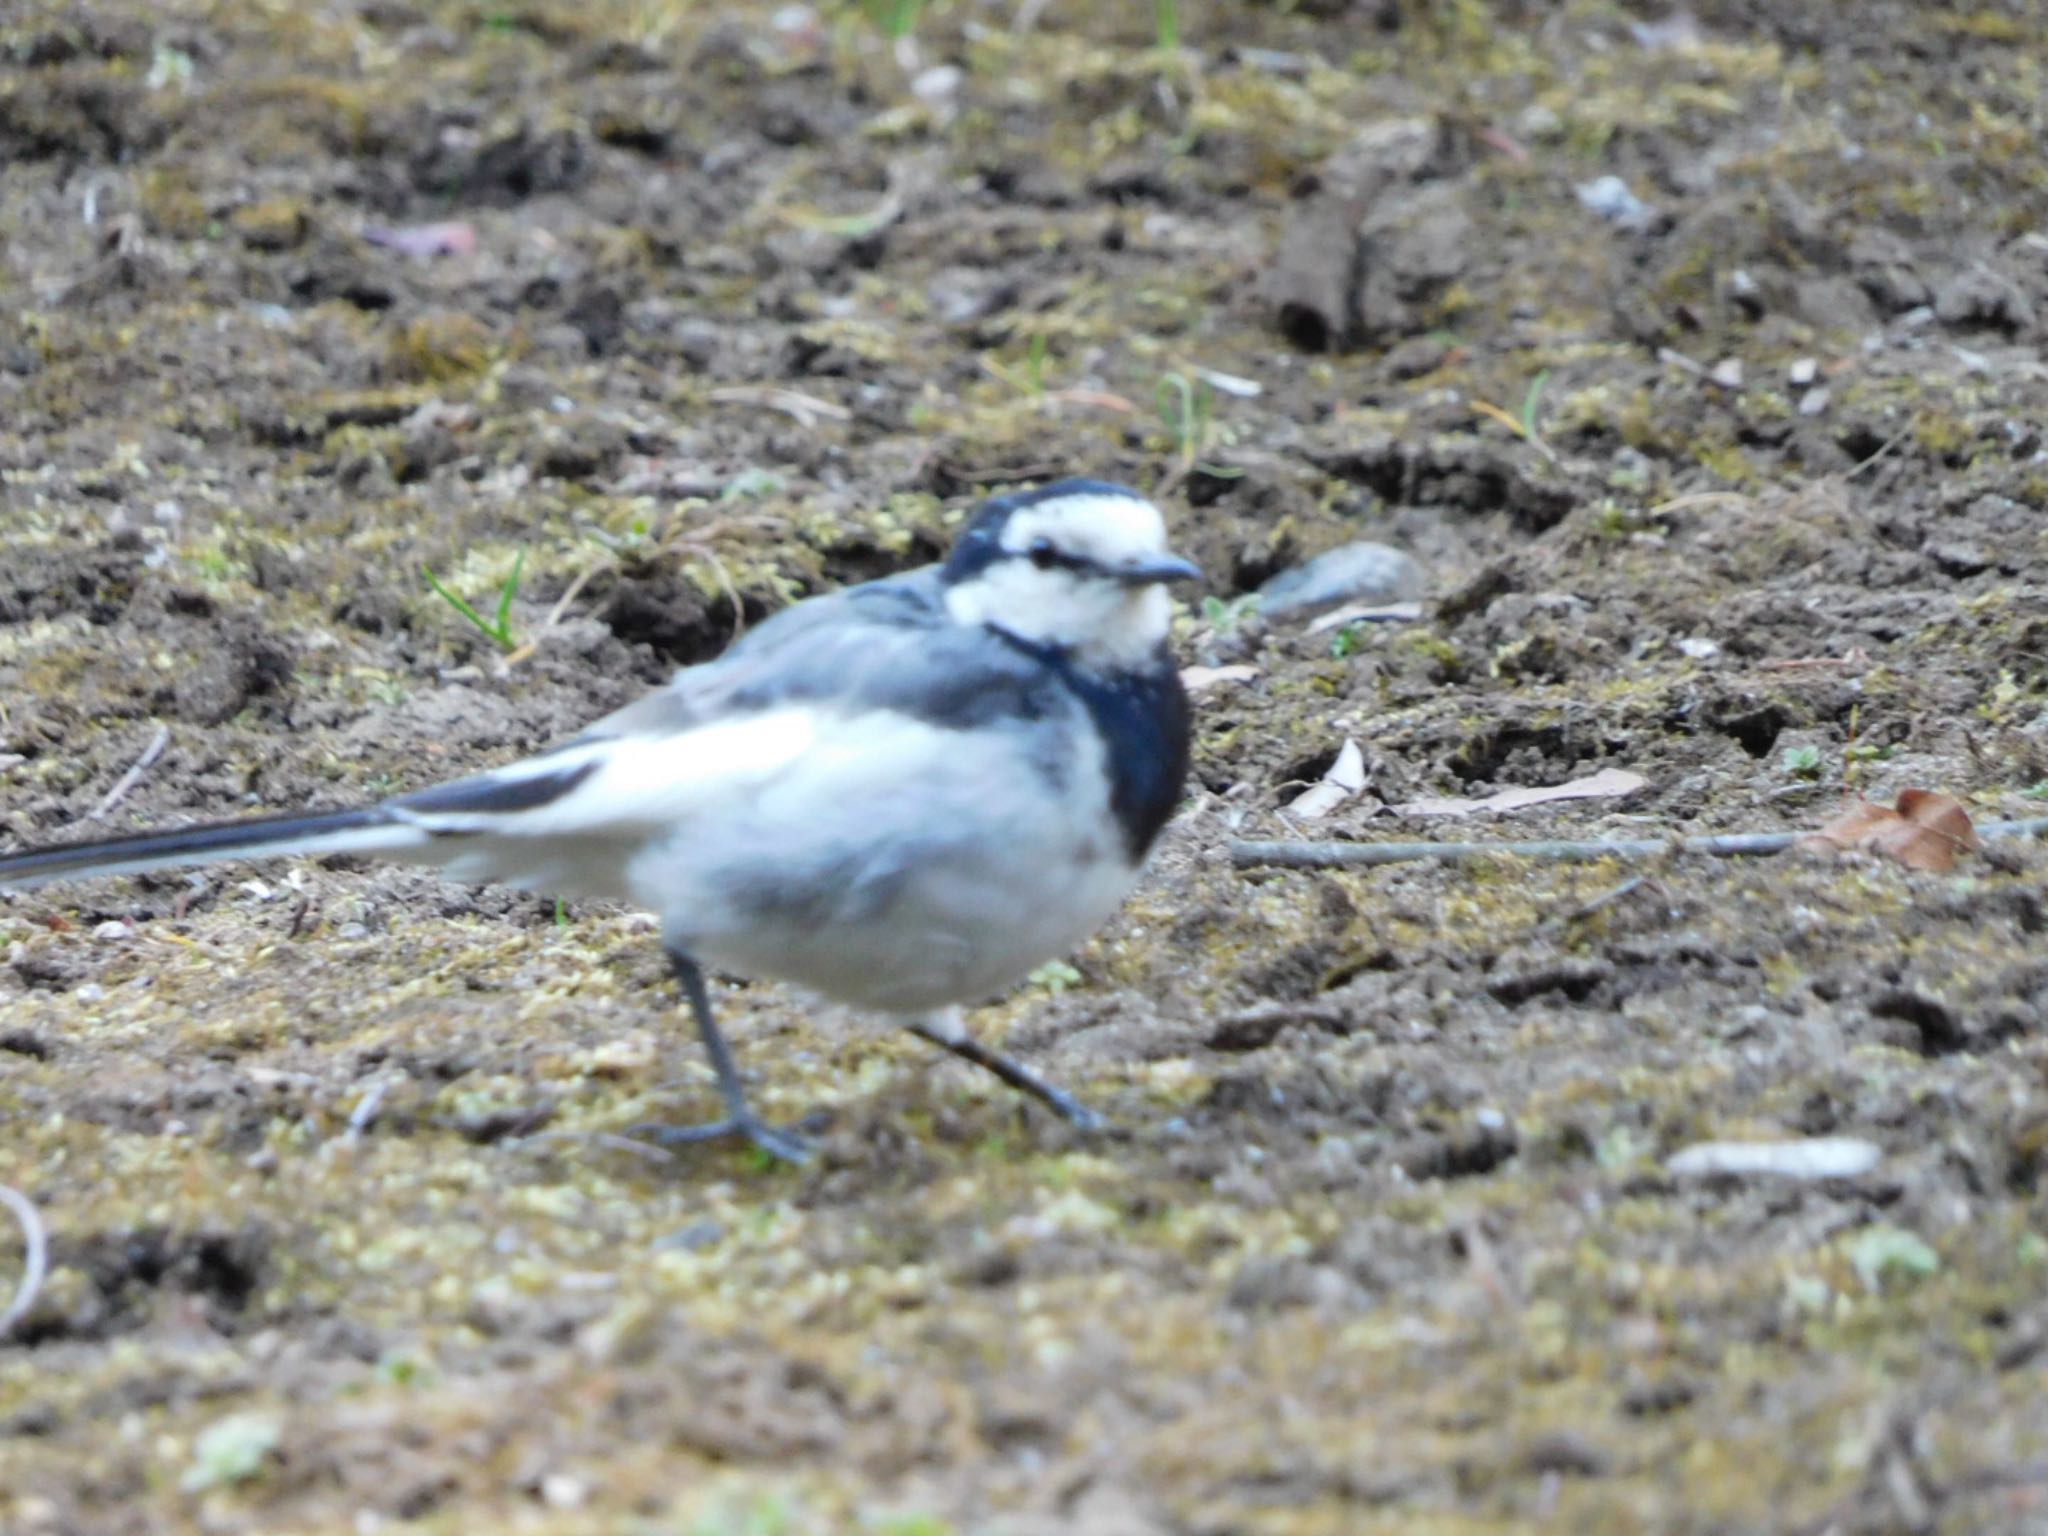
[(1925, 830), (451, 238), (1369, 613), (1608, 783), (1345, 779), (1201, 679)]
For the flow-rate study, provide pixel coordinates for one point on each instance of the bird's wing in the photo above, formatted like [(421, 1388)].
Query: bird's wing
[(837, 622), (737, 721), (716, 731)]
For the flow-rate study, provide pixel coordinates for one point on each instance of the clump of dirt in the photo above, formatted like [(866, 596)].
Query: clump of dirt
[(1698, 356)]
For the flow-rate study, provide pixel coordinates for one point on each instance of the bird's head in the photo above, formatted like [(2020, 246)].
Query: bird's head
[(1082, 565)]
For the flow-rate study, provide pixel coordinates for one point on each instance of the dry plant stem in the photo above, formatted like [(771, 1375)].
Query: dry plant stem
[(36, 1262), (133, 776), (1333, 855), (570, 592)]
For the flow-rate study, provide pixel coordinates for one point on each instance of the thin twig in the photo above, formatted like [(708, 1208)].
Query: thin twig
[(570, 592), (133, 776), (1856, 658), (368, 1107), (1607, 898), (806, 410), (709, 556), (1698, 499), (1882, 449), (1332, 855), (607, 1139), (36, 1260)]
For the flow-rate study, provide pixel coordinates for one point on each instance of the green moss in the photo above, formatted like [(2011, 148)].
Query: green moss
[(439, 348)]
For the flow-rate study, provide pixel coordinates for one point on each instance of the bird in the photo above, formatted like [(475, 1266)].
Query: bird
[(904, 795)]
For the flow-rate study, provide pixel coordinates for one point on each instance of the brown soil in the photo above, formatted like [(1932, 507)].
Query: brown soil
[(1383, 1238)]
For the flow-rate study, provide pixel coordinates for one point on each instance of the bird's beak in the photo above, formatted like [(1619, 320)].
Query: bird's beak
[(1157, 571)]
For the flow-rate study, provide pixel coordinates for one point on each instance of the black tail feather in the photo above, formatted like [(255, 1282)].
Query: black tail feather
[(254, 837)]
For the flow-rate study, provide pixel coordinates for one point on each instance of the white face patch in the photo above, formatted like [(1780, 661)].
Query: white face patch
[(1106, 529), (1093, 615)]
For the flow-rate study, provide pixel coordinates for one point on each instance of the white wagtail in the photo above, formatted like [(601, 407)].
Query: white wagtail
[(904, 795)]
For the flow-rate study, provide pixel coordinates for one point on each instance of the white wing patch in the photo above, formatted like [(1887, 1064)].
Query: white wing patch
[(641, 782)]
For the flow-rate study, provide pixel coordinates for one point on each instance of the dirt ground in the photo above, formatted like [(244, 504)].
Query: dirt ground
[(1734, 480)]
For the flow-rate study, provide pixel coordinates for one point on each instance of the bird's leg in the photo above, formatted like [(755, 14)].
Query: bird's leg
[(947, 1032), (740, 1120)]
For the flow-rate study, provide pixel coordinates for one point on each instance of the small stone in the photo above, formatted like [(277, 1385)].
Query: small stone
[(1416, 356), (1804, 371), (1957, 557), (1815, 400), (1611, 199), (1699, 648), (111, 932), (561, 1490), (694, 1238), (233, 1450), (1362, 572), (1727, 373), (275, 225), (938, 85), (1980, 297), (1275, 61)]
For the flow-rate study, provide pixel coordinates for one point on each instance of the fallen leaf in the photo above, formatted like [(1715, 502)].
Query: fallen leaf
[(1231, 384), (1925, 830), (1816, 1157), (1345, 779), (1201, 679), (452, 237), (1374, 613), (234, 1450), (1607, 784), (1879, 1253)]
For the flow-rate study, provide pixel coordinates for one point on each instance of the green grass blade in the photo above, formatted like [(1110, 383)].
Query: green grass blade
[(501, 630), (1530, 401), (455, 601), (1166, 24)]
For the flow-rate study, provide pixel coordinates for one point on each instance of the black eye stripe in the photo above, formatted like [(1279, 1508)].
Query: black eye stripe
[(1047, 557)]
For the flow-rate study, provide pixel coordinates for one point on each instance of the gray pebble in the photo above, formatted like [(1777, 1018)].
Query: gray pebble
[(1351, 573)]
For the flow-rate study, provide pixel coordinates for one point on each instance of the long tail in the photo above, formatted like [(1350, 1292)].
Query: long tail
[(372, 830), (565, 821)]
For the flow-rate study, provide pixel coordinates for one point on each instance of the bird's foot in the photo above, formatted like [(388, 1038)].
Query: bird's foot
[(945, 1031), (784, 1143), (1070, 1109)]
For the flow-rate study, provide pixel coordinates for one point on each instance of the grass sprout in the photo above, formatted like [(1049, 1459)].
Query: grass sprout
[(1525, 423), (1166, 25), (894, 19), (1187, 407), (498, 627)]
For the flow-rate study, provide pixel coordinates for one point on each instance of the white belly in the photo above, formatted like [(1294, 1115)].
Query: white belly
[(946, 934), (897, 867)]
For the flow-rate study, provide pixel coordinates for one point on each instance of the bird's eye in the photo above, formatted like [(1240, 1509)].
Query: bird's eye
[(1042, 554)]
